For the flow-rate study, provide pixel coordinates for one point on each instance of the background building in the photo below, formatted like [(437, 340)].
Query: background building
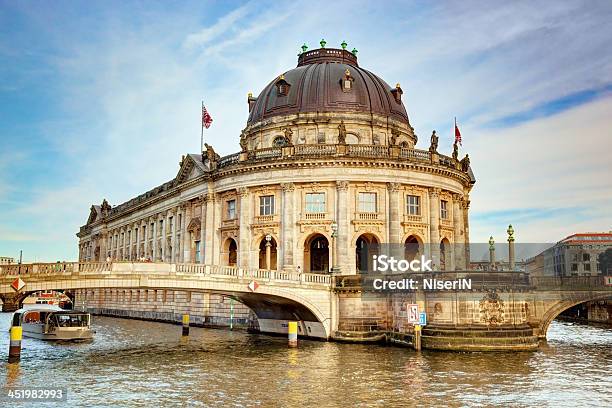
[(6, 260), (576, 255)]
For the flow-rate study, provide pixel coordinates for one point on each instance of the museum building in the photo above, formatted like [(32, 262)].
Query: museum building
[(327, 166)]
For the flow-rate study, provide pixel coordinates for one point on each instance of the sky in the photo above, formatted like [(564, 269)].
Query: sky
[(100, 99)]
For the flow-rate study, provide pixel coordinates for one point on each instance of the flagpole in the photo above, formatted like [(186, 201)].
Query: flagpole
[(202, 128)]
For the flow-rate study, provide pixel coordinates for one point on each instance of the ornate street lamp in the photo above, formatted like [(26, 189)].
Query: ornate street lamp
[(510, 232), (492, 252)]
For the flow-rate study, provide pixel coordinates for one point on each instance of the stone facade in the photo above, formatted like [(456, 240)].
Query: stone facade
[(300, 174)]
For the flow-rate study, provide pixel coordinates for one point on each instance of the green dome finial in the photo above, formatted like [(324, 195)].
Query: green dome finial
[(322, 42), (354, 52), (304, 47), (343, 45)]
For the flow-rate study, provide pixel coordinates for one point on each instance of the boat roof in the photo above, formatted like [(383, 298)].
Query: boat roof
[(48, 308)]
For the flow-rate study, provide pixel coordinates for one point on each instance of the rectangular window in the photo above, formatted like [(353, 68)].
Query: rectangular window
[(586, 257), (444, 209), (315, 202), (575, 257), (574, 267), (367, 202), (144, 233), (170, 223), (231, 209), (266, 205), (413, 204), (587, 267), (197, 251)]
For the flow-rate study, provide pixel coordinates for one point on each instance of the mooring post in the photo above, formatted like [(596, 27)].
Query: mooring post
[(185, 325), (417, 337), (15, 344), (292, 331)]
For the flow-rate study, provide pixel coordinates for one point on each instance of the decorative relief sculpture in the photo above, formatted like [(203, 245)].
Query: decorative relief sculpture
[(492, 309)]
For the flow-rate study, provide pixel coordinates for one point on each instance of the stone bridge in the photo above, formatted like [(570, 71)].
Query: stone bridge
[(276, 298), (500, 311)]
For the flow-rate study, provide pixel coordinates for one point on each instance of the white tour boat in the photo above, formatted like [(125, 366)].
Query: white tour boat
[(49, 322)]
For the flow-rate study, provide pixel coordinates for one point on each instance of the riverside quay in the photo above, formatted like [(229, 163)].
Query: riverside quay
[(327, 166)]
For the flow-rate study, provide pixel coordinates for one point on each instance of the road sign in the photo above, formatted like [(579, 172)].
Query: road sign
[(17, 284), (413, 313), (608, 280), (253, 286), (422, 319)]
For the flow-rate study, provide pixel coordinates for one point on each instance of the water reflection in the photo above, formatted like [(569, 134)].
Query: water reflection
[(132, 360)]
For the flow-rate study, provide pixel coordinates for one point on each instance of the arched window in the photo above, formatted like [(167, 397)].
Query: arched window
[(279, 141)]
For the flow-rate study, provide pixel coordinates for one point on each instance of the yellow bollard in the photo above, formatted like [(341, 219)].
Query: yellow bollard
[(185, 325), (15, 344), (417, 337), (293, 330)]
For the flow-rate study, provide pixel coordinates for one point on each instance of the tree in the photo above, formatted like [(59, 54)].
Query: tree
[(605, 261)]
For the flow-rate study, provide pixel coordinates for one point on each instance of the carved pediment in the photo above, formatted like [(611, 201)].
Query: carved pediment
[(195, 224), (189, 169), (93, 215)]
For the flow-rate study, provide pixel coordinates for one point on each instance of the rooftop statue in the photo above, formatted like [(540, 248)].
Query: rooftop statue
[(433, 148), (455, 151), (341, 133), (465, 163)]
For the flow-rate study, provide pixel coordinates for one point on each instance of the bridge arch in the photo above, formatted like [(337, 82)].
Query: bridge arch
[(560, 307)]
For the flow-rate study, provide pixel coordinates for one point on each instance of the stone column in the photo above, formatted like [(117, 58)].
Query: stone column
[(216, 244), (394, 214), (434, 226), (173, 241), (287, 226), (343, 225), (458, 245), (147, 234), (164, 237), (210, 228), (154, 233), (103, 238), (466, 230), (202, 227), (245, 231), (186, 234)]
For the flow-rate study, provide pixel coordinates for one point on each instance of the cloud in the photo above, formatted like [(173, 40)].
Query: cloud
[(224, 24)]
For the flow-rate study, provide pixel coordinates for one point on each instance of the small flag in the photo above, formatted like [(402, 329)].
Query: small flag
[(206, 118), (457, 133)]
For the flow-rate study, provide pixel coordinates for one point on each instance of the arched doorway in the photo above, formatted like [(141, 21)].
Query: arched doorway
[(230, 252), (444, 254), (412, 248), (367, 245), (262, 254), (316, 254)]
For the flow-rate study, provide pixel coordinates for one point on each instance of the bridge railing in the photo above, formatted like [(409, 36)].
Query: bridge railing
[(570, 282)]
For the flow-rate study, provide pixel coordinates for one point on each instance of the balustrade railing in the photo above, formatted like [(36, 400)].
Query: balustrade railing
[(350, 150), (266, 153), (315, 150), (367, 150), (229, 160)]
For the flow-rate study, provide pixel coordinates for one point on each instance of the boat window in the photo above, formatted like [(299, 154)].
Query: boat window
[(72, 320), (16, 319)]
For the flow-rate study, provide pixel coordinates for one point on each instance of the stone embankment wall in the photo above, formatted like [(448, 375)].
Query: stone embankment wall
[(204, 309)]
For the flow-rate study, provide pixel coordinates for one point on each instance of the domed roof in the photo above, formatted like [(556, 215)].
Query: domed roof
[(317, 84)]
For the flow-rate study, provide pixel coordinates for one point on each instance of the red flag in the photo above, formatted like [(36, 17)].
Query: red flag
[(457, 133), (206, 118)]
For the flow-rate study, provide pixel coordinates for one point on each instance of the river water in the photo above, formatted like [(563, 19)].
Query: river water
[(148, 364)]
